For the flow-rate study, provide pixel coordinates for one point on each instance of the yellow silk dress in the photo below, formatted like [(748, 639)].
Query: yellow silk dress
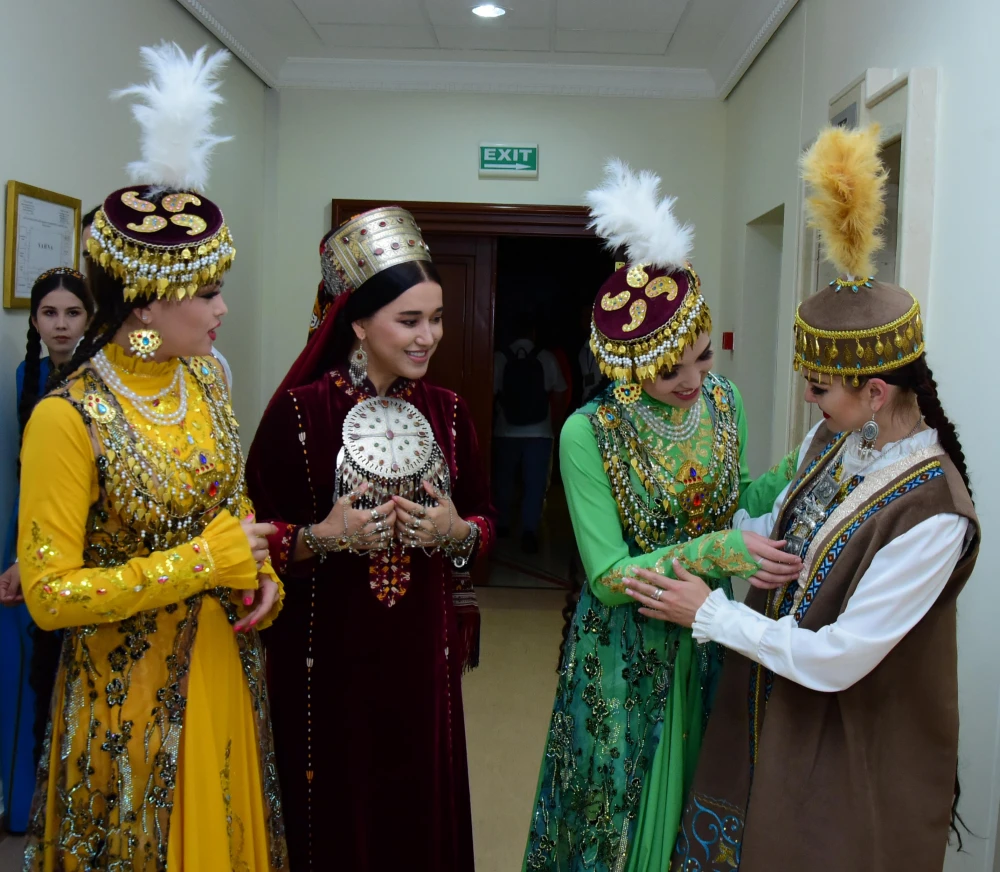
[(159, 753)]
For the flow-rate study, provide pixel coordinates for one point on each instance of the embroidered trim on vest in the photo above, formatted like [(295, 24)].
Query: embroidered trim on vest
[(710, 837), (869, 487), (765, 677)]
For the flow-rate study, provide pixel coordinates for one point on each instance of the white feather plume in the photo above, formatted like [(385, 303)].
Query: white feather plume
[(176, 113), (627, 210)]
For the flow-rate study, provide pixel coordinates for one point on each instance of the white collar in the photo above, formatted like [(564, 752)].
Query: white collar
[(889, 453)]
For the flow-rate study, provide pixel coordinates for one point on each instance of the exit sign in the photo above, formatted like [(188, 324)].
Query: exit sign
[(502, 160)]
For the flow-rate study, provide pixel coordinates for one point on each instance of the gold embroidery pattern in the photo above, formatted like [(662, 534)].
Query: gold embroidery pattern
[(234, 826), (114, 741), (618, 301), (637, 312), (663, 285), (150, 224)]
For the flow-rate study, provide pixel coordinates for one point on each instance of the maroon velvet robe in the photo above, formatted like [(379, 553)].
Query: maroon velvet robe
[(366, 698)]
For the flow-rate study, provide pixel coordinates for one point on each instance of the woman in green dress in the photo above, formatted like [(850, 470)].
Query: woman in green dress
[(654, 469)]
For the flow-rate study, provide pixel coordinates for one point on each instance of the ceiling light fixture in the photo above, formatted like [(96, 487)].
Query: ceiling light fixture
[(489, 10)]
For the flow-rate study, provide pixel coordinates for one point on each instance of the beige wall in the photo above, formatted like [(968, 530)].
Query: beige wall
[(424, 147), (58, 62), (831, 42), (763, 117)]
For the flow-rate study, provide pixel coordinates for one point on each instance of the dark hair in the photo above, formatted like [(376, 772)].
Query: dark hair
[(917, 378), (45, 285), (112, 311), (374, 294), (88, 218)]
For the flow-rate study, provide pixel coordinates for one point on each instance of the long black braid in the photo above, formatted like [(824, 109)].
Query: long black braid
[(918, 379)]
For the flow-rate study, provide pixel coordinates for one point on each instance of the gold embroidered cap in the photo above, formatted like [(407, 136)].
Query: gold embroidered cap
[(161, 236), (368, 244), (856, 327), (651, 308)]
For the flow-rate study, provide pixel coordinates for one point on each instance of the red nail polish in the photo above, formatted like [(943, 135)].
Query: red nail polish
[(248, 600), (235, 628), (253, 623)]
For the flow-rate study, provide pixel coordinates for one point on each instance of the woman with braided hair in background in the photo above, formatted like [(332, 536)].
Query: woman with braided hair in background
[(61, 306)]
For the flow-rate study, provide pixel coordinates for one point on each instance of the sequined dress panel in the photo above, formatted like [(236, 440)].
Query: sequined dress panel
[(160, 752)]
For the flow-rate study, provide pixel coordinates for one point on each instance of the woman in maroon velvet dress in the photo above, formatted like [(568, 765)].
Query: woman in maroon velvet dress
[(379, 620)]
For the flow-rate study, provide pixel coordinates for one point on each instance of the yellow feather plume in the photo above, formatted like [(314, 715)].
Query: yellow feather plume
[(847, 202)]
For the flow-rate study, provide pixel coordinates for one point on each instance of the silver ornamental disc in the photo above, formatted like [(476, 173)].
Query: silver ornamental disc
[(388, 438)]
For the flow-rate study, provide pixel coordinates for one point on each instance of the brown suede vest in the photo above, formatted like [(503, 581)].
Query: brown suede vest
[(791, 779)]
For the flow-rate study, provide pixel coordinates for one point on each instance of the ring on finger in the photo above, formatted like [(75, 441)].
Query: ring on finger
[(375, 514), (658, 593)]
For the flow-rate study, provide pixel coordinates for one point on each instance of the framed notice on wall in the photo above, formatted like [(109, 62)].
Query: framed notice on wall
[(43, 231)]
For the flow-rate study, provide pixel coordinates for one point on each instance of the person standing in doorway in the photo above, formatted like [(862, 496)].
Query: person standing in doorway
[(527, 383)]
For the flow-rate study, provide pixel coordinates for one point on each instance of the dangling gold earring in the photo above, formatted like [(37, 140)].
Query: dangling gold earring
[(144, 343)]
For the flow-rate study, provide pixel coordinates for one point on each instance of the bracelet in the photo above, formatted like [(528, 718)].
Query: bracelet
[(321, 546), (460, 550)]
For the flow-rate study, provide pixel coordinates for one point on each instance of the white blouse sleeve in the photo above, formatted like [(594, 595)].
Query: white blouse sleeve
[(904, 580), (764, 524)]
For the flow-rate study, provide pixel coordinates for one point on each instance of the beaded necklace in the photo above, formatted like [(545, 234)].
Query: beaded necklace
[(683, 490), (166, 493), (664, 428), (147, 406)]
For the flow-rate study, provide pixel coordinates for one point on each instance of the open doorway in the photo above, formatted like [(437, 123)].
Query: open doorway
[(543, 370), (492, 259), (759, 334)]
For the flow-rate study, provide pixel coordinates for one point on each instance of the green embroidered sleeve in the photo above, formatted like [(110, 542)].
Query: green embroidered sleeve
[(605, 554)]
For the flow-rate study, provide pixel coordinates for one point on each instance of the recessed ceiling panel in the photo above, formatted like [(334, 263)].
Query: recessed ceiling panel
[(372, 36), (494, 38), (389, 12), (611, 42), (520, 13), (635, 15)]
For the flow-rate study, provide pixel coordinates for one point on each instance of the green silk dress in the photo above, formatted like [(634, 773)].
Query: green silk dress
[(634, 694)]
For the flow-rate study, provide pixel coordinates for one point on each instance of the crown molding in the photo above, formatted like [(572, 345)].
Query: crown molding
[(497, 78), (738, 35), (226, 37)]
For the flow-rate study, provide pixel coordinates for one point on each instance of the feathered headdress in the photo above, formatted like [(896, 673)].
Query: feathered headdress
[(176, 116), (875, 328), (627, 210), (649, 311), (161, 236), (847, 203)]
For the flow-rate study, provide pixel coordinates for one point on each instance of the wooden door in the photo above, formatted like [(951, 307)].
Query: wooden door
[(463, 361)]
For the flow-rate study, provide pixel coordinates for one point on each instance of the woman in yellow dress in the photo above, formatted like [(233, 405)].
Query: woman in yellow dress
[(137, 539)]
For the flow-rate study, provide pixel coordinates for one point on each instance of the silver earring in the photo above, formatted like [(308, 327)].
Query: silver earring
[(869, 433), (359, 366)]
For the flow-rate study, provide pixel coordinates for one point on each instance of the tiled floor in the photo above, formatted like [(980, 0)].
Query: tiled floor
[(508, 703), (11, 853)]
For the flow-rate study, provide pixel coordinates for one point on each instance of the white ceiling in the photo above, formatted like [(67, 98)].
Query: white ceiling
[(670, 48)]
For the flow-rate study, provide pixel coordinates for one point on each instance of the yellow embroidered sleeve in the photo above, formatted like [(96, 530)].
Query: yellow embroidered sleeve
[(58, 487), (246, 511)]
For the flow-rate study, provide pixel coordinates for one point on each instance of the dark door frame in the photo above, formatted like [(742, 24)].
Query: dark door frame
[(481, 219)]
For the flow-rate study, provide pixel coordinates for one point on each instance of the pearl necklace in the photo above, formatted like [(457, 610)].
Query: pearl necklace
[(670, 432), (146, 405)]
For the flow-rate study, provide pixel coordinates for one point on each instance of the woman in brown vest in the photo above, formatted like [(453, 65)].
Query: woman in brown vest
[(842, 712)]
